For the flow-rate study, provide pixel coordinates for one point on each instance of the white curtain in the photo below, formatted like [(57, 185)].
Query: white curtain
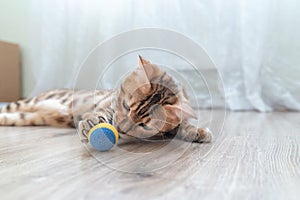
[(254, 44)]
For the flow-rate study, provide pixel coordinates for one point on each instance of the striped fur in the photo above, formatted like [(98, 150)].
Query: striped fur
[(54, 108), (148, 103)]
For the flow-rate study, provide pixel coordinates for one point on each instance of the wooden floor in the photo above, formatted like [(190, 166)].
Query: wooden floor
[(256, 156)]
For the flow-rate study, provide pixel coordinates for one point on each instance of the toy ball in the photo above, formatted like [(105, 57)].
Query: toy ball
[(103, 136)]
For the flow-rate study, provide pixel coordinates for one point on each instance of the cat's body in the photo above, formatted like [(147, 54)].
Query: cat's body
[(148, 103), (55, 107)]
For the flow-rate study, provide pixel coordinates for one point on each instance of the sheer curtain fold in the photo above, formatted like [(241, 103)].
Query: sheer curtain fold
[(254, 44)]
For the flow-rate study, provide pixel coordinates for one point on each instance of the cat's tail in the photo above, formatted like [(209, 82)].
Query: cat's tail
[(21, 105), (10, 107)]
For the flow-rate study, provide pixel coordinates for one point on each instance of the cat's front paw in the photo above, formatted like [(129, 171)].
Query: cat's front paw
[(89, 121), (204, 135)]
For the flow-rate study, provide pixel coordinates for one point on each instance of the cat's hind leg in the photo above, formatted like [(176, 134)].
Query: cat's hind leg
[(22, 119)]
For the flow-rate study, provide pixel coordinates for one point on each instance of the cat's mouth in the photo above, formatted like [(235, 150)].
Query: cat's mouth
[(143, 131)]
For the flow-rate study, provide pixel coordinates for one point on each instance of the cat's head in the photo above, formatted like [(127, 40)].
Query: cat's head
[(150, 102)]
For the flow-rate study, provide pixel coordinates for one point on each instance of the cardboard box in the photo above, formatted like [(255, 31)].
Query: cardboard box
[(10, 72)]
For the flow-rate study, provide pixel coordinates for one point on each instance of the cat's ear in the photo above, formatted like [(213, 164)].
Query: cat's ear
[(142, 62), (182, 111), (143, 83), (150, 69)]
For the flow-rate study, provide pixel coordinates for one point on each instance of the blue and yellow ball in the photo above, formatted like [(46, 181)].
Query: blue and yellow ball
[(103, 136)]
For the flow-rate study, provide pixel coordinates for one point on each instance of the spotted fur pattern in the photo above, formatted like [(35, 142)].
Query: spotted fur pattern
[(148, 103)]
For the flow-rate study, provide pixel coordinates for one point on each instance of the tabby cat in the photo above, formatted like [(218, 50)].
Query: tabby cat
[(148, 103)]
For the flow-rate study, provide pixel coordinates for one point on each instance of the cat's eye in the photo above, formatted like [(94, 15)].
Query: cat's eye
[(142, 125), (169, 101), (126, 106)]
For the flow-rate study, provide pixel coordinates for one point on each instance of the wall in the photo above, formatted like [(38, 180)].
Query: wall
[(14, 27), (255, 44)]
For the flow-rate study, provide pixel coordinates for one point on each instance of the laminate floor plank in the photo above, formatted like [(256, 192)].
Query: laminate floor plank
[(255, 156)]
